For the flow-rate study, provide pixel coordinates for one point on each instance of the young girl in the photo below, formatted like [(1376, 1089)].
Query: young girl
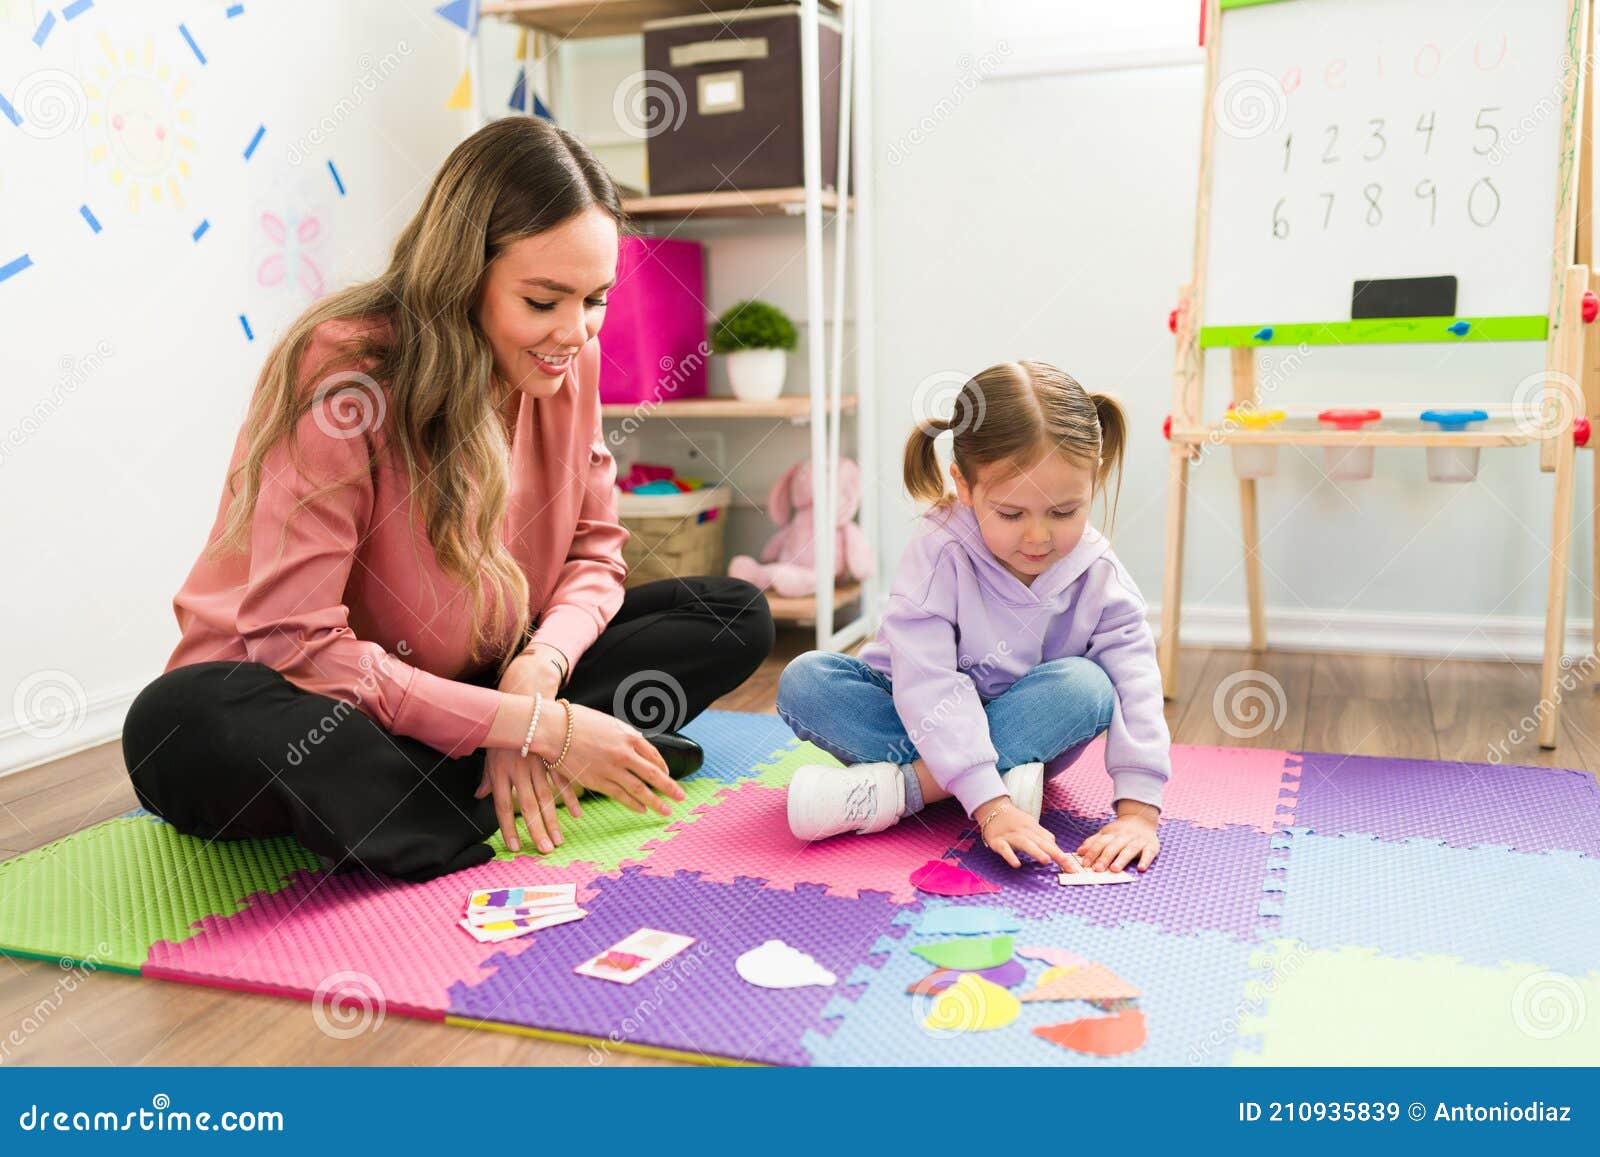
[(1012, 634)]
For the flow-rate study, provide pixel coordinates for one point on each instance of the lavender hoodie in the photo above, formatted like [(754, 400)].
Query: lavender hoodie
[(959, 622)]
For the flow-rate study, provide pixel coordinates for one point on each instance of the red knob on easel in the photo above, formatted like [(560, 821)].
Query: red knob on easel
[(1166, 429), (1580, 431), (1591, 306), (1172, 321)]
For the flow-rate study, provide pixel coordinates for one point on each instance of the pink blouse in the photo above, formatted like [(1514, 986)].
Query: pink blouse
[(355, 605)]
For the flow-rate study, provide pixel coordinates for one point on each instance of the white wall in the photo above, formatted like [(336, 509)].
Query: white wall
[(1048, 217)]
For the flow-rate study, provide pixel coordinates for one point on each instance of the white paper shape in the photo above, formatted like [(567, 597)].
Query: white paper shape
[(776, 964)]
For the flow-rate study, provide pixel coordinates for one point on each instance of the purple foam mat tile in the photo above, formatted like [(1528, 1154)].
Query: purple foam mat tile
[(1484, 905), (1192, 993), (737, 742), (1204, 878), (697, 1002), (1530, 809)]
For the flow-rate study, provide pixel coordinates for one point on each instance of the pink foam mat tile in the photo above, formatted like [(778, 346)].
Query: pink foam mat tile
[(747, 834), (390, 941), (1211, 787)]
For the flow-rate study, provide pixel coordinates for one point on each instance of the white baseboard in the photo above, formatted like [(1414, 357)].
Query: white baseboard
[(101, 723), (1498, 637)]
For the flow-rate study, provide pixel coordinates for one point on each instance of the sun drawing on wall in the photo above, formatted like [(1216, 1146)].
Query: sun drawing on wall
[(140, 125)]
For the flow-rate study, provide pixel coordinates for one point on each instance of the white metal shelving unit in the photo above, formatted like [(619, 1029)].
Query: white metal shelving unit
[(564, 20)]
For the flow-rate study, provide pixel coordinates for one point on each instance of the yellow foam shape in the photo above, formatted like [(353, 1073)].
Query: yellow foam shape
[(1254, 419), (1353, 1006), (972, 1004)]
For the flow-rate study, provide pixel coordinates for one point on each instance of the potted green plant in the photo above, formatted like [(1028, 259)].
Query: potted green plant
[(756, 338)]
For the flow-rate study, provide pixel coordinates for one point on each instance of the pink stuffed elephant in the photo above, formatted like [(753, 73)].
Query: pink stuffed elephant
[(788, 563)]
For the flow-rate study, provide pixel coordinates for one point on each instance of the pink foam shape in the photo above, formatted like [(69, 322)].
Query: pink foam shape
[(944, 879), (1050, 954), (746, 833), (1211, 787), (403, 936)]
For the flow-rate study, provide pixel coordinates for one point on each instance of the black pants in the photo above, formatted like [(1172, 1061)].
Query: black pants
[(231, 750)]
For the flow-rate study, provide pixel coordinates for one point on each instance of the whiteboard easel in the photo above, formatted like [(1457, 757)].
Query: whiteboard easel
[(1258, 308)]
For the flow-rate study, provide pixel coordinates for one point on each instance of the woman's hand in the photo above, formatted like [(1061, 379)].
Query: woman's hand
[(1132, 833), (508, 775), (614, 758), (1007, 830)]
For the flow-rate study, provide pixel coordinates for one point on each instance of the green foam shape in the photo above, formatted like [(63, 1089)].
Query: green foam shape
[(1352, 1005), (968, 955), (780, 769), (104, 895), (608, 833)]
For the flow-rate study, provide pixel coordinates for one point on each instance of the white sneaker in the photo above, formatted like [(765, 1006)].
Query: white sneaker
[(1025, 785), (861, 798)]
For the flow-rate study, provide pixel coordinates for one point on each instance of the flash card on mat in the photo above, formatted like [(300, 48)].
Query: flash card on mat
[(1086, 876), (511, 929), (635, 956)]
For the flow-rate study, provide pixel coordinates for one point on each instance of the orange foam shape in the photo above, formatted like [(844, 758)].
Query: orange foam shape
[(1100, 1036)]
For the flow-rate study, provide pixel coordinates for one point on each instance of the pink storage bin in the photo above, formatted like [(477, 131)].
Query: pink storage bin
[(653, 342)]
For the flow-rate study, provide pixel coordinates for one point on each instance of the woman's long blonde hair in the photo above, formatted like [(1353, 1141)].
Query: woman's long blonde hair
[(1015, 413), (513, 178)]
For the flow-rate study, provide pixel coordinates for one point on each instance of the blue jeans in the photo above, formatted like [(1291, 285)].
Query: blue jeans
[(846, 707)]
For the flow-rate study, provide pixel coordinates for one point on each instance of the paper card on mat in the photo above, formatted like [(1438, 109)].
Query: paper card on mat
[(515, 897), (493, 915), (511, 929), (1086, 876), (635, 956)]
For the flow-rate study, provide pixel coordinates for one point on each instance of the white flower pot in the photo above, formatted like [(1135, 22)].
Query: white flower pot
[(757, 375)]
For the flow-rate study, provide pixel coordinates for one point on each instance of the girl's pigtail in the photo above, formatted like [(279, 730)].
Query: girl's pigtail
[(1113, 443), (922, 477)]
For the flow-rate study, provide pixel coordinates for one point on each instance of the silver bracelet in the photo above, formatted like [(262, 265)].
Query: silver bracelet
[(533, 724)]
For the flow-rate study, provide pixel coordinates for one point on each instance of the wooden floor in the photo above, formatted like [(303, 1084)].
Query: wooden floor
[(1417, 708)]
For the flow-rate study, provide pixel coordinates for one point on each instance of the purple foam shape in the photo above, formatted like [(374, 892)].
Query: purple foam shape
[(1528, 809), (1204, 878), (697, 1002), (1007, 975)]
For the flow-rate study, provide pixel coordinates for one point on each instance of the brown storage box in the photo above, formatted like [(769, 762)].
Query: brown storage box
[(740, 76), (666, 537)]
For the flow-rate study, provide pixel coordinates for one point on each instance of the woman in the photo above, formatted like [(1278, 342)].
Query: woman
[(409, 620)]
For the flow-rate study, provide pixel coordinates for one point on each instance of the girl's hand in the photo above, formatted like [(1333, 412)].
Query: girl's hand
[(1006, 830), (610, 756), (508, 774), (1131, 834)]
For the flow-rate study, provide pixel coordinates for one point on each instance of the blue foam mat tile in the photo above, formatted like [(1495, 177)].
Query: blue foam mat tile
[(1192, 989), (737, 742), (1485, 905)]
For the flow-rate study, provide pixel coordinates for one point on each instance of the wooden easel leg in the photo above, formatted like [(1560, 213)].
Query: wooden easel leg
[(1555, 624), (1251, 529), (1594, 556), (1172, 578)]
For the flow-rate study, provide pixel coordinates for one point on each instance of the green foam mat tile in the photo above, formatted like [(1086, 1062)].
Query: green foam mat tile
[(608, 835), (778, 771), (106, 894)]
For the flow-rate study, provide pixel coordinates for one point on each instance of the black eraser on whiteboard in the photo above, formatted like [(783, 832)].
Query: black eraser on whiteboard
[(1403, 297)]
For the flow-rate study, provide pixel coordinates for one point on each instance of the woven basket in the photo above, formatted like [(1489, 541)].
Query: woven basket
[(670, 535)]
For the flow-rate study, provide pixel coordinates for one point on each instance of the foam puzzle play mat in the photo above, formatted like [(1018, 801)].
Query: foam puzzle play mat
[(1305, 909)]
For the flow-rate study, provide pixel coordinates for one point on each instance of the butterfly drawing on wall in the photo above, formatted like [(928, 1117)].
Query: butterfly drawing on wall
[(288, 262)]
